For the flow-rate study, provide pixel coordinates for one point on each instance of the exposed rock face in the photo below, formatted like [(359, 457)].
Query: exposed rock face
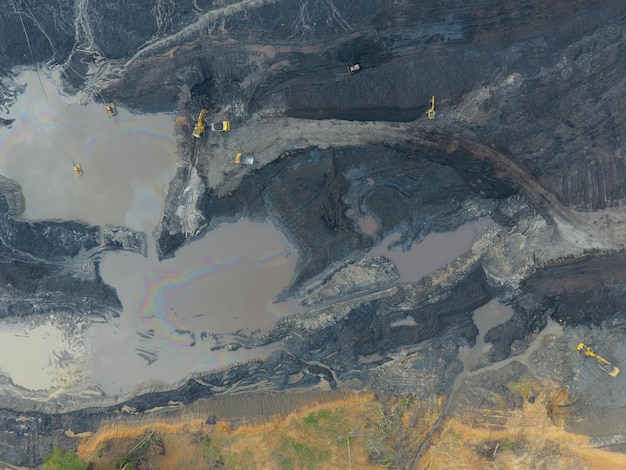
[(583, 120), (529, 132), (12, 197), (367, 274)]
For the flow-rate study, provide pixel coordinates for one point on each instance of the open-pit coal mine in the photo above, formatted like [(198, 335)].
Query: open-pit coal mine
[(282, 234)]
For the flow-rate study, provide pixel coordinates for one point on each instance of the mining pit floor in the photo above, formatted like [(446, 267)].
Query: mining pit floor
[(371, 370)]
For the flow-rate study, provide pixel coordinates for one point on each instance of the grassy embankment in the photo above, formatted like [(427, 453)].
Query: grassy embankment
[(355, 430)]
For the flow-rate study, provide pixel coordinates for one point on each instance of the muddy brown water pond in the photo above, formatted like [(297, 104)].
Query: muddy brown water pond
[(172, 311), (127, 162), (178, 314), (486, 317), (434, 251)]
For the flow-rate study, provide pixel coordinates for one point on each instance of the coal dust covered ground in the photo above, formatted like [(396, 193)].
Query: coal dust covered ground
[(472, 365)]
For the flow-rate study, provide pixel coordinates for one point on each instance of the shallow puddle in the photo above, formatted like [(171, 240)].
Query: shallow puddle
[(486, 317), (224, 282)]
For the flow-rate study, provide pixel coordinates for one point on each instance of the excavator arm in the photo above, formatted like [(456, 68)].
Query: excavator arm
[(605, 365), (198, 130)]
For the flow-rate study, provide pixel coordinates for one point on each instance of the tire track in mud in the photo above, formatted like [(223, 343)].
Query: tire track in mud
[(503, 166), (578, 229)]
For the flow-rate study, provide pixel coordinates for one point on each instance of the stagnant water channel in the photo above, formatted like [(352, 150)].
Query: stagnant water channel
[(176, 312)]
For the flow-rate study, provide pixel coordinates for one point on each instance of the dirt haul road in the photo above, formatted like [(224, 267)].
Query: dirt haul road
[(268, 137)]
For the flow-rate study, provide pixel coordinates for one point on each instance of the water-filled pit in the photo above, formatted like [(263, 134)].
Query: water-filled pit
[(177, 311), (434, 251), (172, 310)]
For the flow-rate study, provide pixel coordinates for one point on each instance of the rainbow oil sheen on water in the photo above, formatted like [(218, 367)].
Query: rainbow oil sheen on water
[(127, 162), (180, 316), (178, 311), (172, 311)]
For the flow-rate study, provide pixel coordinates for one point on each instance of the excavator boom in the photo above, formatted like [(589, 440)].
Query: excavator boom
[(605, 365), (431, 112), (198, 130)]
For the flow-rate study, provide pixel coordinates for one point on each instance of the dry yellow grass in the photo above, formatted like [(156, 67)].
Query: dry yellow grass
[(526, 439), (276, 421), (378, 432), (126, 430), (329, 435)]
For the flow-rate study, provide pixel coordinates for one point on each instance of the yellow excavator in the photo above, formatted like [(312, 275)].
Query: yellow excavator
[(198, 130), (78, 170), (605, 365), (431, 112), (111, 109)]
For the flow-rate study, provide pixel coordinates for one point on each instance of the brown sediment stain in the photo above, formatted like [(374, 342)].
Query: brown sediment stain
[(269, 51), (310, 49), (368, 225)]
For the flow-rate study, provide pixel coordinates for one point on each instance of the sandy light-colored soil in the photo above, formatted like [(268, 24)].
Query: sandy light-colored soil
[(361, 431), (354, 431)]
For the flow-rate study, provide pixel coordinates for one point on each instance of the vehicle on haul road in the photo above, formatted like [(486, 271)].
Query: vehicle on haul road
[(605, 365), (221, 126), (244, 159), (354, 68)]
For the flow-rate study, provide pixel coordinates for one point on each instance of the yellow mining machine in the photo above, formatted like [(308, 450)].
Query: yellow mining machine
[(431, 112), (605, 365), (244, 159), (198, 130), (111, 109), (222, 126), (78, 170)]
